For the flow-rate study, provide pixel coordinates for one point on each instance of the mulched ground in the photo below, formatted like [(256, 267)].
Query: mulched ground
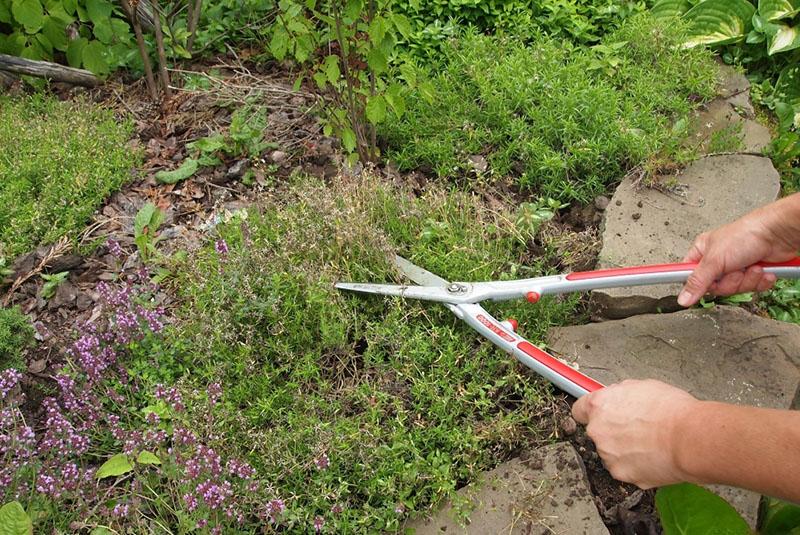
[(191, 208)]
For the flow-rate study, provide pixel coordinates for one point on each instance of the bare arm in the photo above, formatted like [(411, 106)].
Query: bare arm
[(756, 449)]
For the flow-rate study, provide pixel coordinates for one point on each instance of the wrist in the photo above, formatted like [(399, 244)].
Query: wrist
[(782, 221), (685, 435)]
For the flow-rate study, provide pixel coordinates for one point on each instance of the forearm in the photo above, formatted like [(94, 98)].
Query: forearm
[(757, 449), (782, 219)]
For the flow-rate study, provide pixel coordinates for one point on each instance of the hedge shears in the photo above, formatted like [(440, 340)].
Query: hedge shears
[(464, 298)]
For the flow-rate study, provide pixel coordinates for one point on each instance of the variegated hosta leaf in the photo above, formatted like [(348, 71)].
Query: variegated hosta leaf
[(666, 9), (787, 88), (718, 22), (778, 9), (786, 38)]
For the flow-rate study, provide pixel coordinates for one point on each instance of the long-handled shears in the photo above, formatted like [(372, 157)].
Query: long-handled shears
[(463, 299)]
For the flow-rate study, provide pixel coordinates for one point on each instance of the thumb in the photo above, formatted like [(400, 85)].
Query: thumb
[(699, 282)]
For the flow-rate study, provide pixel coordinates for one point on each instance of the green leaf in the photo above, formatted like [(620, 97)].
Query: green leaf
[(115, 466), (143, 218), (321, 78), (70, 6), (5, 12), (352, 10), (408, 71), (786, 38), (402, 24), (773, 10), (208, 145), (332, 69), (55, 31), (94, 58), (686, 509), (667, 9), (428, 91), (99, 10), (14, 520), (145, 457), (377, 61), (718, 22), (348, 139), (303, 47), (29, 13), (187, 169), (377, 30), (376, 109), (102, 30), (100, 530), (394, 97), (781, 518), (75, 51), (279, 44)]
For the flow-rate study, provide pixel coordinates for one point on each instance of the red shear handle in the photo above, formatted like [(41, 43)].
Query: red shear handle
[(664, 268), (568, 373)]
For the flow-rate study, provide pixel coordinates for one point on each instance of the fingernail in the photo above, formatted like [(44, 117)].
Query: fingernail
[(684, 298)]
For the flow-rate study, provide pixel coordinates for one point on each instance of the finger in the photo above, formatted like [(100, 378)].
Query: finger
[(699, 281), (767, 282), (581, 409), (751, 278), (729, 284)]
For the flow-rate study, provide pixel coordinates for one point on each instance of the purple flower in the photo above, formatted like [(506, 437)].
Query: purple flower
[(8, 380), (114, 248), (319, 522), (221, 247), (400, 508), (322, 462), (337, 508), (274, 509), (120, 510), (214, 392)]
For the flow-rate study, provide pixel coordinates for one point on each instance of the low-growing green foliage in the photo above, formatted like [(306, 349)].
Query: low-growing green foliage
[(353, 408), (59, 162), (16, 335), (565, 122)]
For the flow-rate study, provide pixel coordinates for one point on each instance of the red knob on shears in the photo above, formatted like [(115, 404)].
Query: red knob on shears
[(533, 297), (511, 324)]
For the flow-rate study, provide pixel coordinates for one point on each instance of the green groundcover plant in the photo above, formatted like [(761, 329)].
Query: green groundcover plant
[(59, 161), (564, 122), (357, 411)]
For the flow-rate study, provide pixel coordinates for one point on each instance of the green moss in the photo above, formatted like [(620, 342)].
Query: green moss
[(563, 122), (59, 161), (406, 400), (16, 335)]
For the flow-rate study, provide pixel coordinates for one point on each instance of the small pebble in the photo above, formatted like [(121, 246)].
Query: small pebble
[(636, 216), (569, 426)]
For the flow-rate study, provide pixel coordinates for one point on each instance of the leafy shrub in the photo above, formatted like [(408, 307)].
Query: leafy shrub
[(566, 123), (60, 161), (358, 410), (99, 37), (16, 335), (579, 21)]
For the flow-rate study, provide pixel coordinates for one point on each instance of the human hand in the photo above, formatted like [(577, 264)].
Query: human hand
[(724, 254), (634, 427)]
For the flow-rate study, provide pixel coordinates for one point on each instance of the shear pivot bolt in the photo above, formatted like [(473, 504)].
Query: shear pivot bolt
[(533, 297), (456, 288)]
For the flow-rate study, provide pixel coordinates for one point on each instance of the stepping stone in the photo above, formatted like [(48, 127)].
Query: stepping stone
[(723, 353), (729, 120), (653, 225), (544, 493)]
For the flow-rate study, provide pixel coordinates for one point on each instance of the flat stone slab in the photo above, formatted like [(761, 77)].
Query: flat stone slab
[(723, 353), (546, 493), (724, 125), (649, 225)]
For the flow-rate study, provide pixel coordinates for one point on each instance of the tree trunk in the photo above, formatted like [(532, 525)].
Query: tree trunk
[(45, 69)]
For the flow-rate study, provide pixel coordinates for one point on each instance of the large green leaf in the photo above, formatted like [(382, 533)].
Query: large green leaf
[(5, 12), (115, 466), (782, 518), (784, 39), (687, 509), (99, 10), (787, 88), (718, 22), (778, 9), (75, 51), (29, 13), (56, 32), (94, 57), (376, 109), (14, 520), (667, 9), (147, 457)]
